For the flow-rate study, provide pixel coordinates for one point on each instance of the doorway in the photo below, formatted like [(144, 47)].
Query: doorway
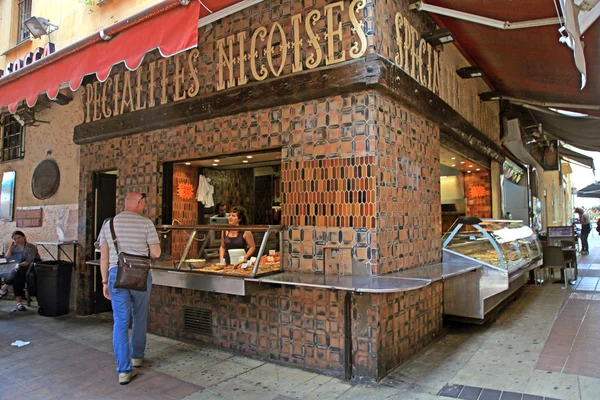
[(105, 197)]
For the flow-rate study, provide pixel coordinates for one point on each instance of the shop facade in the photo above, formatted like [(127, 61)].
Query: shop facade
[(358, 107)]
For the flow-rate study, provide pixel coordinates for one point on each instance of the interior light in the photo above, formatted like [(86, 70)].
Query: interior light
[(462, 162), (187, 163), (245, 161), (216, 160), (215, 165), (438, 37), (468, 172), (470, 166), (489, 96), (478, 169), (470, 72), (248, 156), (568, 113), (453, 158), (454, 165)]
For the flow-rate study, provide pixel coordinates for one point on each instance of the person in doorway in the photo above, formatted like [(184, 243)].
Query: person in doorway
[(220, 210), (234, 239), (586, 227), (24, 254), (135, 235)]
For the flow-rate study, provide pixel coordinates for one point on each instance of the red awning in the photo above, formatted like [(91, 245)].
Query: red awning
[(168, 26)]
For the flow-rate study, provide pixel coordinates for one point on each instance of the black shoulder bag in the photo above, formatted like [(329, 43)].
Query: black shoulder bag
[(132, 272)]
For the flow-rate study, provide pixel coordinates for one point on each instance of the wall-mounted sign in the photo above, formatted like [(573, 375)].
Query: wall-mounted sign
[(7, 196), (305, 41), (29, 217), (476, 192), (185, 191), (29, 58), (512, 171), (45, 179)]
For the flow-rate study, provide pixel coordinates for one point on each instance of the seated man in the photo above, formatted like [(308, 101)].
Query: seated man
[(24, 254)]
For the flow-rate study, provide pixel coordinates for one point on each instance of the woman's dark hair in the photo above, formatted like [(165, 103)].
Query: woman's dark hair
[(241, 214), (19, 233)]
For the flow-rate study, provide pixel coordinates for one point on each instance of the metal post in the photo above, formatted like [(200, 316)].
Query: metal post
[(187, 248), (261, 251)]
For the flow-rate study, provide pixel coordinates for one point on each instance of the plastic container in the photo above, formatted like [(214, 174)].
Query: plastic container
[(53, 287)]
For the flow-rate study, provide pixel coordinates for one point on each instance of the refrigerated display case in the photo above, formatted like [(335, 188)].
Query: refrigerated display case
[(507, 249)]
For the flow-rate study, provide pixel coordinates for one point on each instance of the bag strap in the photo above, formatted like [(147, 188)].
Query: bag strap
[(114, 236)]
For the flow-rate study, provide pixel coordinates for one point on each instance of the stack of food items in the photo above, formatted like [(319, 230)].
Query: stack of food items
[(268, 264)]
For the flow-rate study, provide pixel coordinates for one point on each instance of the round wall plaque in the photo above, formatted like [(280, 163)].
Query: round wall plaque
[(45, 179)]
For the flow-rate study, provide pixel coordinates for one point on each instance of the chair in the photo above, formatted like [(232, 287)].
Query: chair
[(554, 257)]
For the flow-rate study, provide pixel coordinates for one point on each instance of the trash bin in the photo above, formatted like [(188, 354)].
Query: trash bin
[(53, 287)]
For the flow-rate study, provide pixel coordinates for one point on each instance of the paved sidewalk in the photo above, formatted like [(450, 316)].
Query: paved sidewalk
[(543, 345)]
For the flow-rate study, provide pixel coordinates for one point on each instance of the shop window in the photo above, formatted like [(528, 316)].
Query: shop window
[(13, 134), (23, 12)]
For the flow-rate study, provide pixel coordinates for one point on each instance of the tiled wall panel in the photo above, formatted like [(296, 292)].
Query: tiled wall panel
[(408, 189), (299, 326)]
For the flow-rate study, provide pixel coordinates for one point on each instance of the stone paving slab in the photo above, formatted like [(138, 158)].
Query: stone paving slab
[(70, 357)]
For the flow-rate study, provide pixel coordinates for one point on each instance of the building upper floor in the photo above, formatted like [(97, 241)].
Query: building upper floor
[(74, 19)]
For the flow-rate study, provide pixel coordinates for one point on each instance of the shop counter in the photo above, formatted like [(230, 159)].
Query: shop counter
[(359, 284), (438, 272)]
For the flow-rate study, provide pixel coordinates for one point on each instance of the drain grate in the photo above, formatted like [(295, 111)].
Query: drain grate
[(197, 320)]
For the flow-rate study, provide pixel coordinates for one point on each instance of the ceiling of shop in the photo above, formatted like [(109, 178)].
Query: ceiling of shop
[(526, 63), (250, 160), (451, 160)]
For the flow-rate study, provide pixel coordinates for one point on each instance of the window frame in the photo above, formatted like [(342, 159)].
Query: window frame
[(13, 143), (23, 12)]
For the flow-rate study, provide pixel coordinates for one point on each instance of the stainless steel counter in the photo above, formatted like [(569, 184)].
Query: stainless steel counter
[(437, 272), (359, 284)]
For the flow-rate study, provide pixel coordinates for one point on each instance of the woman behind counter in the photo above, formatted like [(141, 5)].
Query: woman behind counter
[(234, 239), (24, 254)]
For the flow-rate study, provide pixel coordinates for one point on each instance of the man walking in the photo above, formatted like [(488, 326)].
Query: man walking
[(137, 235)]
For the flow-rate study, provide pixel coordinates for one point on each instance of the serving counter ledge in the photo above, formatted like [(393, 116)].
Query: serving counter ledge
[(437, 272), (403, 281), (359, 284)]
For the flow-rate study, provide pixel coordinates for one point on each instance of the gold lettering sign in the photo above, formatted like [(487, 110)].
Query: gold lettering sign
[(423, 63), (269, 51)]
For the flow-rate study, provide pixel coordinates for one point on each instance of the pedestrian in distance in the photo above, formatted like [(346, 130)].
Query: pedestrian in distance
[(586, 227), (135, 235)]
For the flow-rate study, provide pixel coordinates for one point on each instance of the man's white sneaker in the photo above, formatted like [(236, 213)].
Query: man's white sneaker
[(137, 362), (126, 377)]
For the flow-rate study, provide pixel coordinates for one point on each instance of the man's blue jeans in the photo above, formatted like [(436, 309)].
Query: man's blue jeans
[(126, 302)]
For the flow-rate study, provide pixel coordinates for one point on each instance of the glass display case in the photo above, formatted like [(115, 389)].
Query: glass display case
[(506, 249), (196, 249), (504, 244)]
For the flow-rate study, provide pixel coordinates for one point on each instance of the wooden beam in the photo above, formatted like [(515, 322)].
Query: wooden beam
[(370, 73)]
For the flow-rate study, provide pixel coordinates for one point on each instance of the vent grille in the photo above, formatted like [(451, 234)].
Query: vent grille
[(197, 320)]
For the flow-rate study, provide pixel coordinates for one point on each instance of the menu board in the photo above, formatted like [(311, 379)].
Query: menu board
[(7, 196)]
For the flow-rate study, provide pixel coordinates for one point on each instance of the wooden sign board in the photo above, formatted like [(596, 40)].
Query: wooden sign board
[(29, 218)]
